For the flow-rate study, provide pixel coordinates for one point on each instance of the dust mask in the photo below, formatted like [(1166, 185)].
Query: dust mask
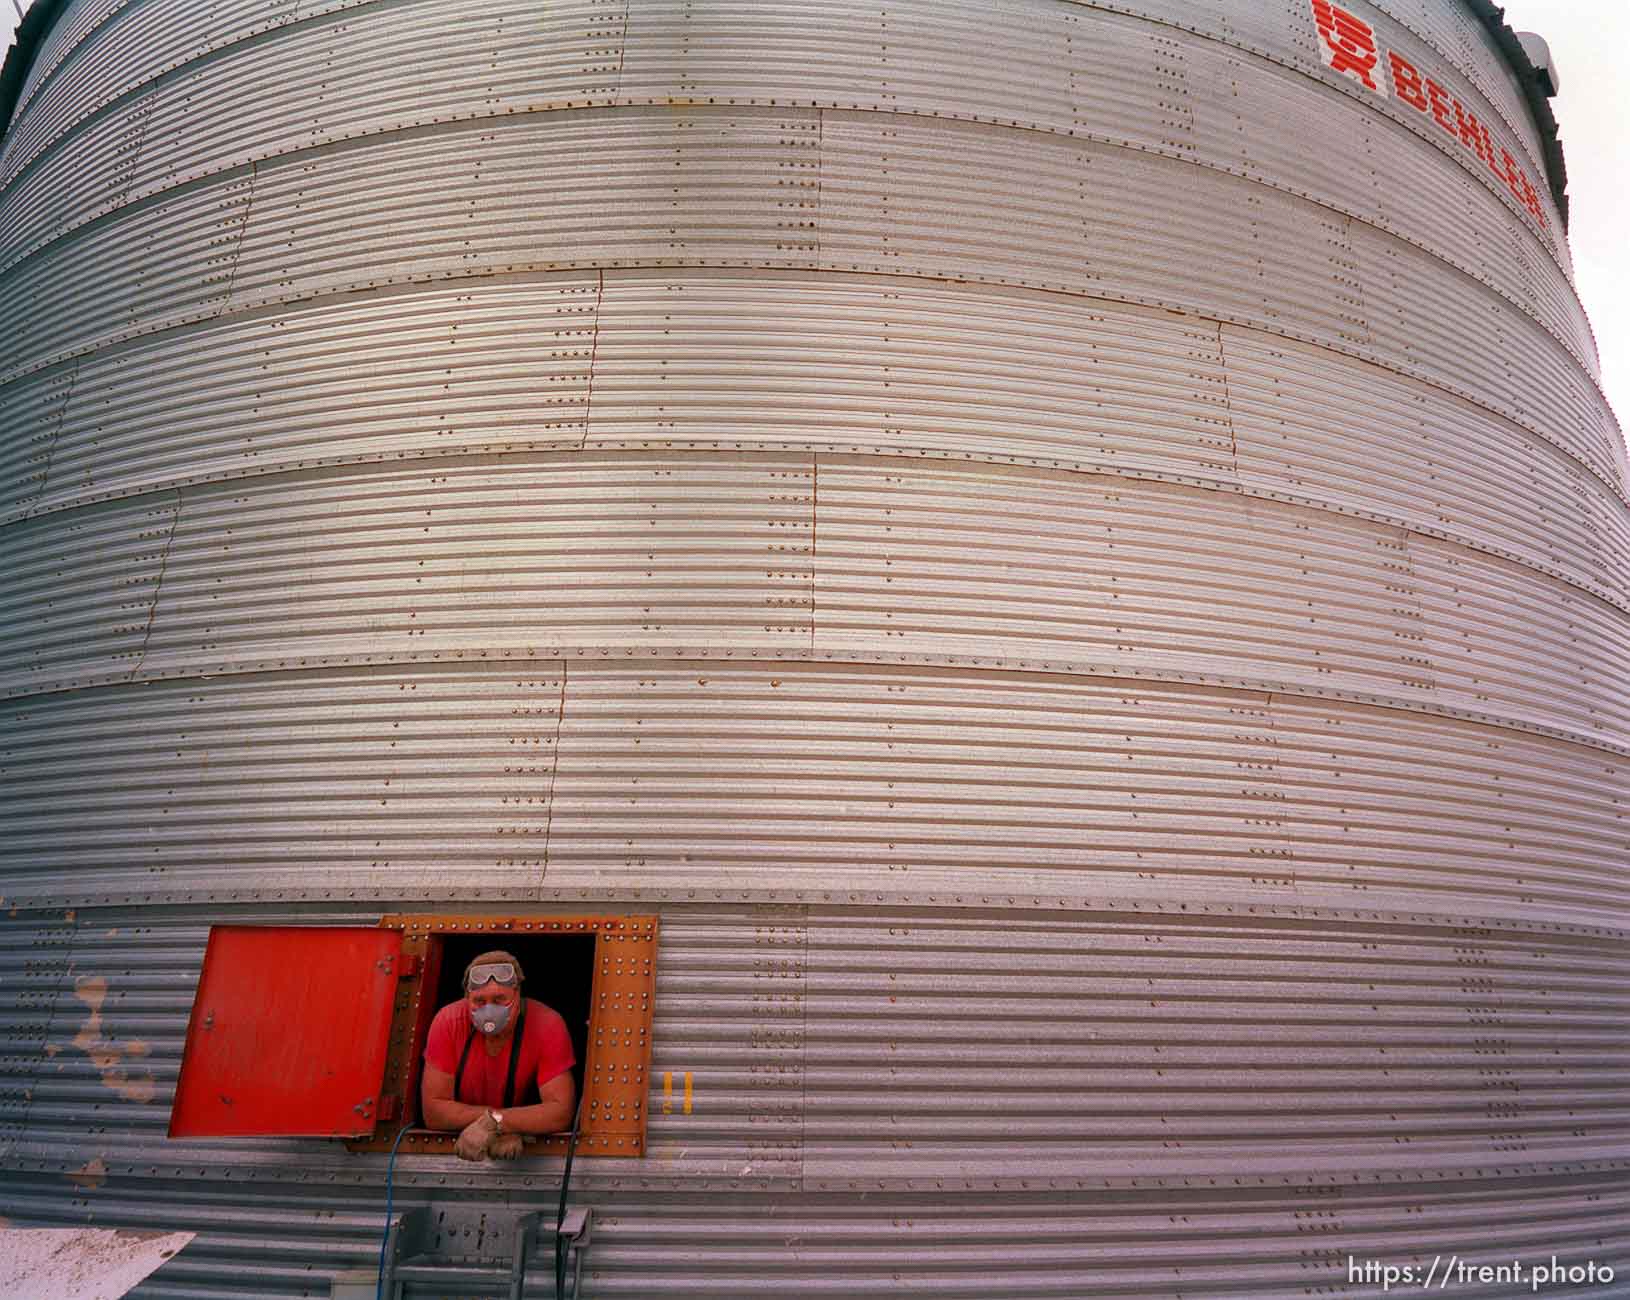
[(490, 1019)]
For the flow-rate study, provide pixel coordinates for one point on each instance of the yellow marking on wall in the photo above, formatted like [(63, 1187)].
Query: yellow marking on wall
[(107, 1055), (687, 1092)]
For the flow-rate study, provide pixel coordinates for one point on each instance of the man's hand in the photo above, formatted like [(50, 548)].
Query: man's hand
[(505, 1146), (477, 1135)]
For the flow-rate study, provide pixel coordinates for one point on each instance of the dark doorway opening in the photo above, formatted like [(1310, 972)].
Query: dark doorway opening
[(556, 969)]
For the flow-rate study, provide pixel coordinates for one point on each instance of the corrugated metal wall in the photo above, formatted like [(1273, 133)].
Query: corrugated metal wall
[(1075, 556), (1022, 1095)]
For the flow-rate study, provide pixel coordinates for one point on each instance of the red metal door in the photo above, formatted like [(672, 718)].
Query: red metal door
[(288, 1032)]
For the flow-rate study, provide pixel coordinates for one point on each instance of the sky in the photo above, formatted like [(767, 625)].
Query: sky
[(1587, 39)]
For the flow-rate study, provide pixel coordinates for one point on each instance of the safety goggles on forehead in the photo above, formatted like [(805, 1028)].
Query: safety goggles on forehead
[(502, 971)]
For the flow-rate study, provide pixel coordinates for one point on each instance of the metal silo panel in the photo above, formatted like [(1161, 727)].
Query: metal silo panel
[(314, 569), (354, 70), (850, 362), (87, 177), (123, 51), (932, 565), (1423, 804), (1297, 428), (79, 598), (1117, 705), (1125, 80), (832, 740), (1467, 341), (1058, 217), (1438, 209), (31, 412), (1520, 643), (507, 557), (886, 1031), (800, 53), (1048, 778), (992, 62), (1494, 103), (1288, 35), (841, 776), (165, 262), (446, 371), (1352, 323), (473, 199), (34, 955), (361, 71), (1467, 45), (416, 777), (953, 1005)]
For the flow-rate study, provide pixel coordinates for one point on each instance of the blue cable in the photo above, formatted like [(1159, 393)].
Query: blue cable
[(384, 1237)]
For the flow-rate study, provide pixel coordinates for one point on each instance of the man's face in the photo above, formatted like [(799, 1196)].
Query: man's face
[(493, 993)]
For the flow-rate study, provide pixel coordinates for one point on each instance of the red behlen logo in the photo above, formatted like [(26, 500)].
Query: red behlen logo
[(1347, 45)]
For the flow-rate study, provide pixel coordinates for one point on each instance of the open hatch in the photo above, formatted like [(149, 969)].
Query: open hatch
[(319, 1031)]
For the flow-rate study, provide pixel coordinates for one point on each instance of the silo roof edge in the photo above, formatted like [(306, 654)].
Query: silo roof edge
[(35, 26), (1492, 17)]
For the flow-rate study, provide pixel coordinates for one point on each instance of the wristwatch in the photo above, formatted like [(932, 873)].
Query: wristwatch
[(497, 1118)]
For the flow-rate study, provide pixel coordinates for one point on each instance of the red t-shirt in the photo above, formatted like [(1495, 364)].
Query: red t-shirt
[(546, 1051)]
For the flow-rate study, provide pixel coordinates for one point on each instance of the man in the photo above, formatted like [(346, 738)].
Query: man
[(497, 1065)]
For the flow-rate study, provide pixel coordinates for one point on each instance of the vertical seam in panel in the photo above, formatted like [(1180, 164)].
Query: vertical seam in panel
[(1228, 403), (1426, 641), (70, 920), (143, 113), (803, 1052), (56, 431), (814, 549), (594, 352), (1363, 303), (237, 248), (554, 771), (820, 175), (622, 55), (158, 586), (1276, 785)]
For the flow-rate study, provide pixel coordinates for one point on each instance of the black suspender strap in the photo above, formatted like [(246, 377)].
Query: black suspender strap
[(458, 1077), (514, 1056), (514, 1059)]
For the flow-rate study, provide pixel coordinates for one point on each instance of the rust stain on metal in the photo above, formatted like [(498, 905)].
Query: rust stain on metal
[(90, 1175), (108, 1056)]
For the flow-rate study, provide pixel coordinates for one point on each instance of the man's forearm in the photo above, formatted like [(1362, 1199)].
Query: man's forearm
[(445, 1113), (544, 1117)]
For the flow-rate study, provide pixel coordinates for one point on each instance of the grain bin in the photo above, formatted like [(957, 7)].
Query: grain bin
[(1068, 561)]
